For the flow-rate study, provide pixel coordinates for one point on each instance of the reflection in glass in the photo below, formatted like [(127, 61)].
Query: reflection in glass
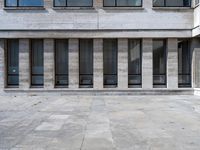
[(123, 3), (110, 62), (184, 63), (159, 62), (37, 66), (172, 3), (86, 63), (61, 62), (12, 62), (134, 62)]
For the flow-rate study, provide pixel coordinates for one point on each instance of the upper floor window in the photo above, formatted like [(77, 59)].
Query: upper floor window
[(73, 3), (122, 3), (171, 3), (24, 3)]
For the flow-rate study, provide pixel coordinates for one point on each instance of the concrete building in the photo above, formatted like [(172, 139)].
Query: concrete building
[(124, 46)]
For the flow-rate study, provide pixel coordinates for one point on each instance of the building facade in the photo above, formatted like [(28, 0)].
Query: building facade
[(96, 46)]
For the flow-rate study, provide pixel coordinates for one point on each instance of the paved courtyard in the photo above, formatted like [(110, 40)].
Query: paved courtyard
[(100, 123)]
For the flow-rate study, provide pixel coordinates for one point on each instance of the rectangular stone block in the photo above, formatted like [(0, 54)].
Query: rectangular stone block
[(98, 63), (172, 63), (24, 64), (2, 65), (122, 63), (147, 64), (73, 63), (48, 63)]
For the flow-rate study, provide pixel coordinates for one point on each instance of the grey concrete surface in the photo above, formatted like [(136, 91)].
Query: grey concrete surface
[(100, 123)]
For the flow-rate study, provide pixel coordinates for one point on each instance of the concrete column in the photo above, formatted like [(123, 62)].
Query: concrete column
[(2, 65), (48, 63), (73, 63), (147, 64), (196, 62), (98, 64), (122, 63), (24, 64), (172, 63)]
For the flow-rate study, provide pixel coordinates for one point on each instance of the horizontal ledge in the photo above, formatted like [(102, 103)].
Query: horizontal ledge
[(123, 8), (24, 8), (173, 8), (73, 8)]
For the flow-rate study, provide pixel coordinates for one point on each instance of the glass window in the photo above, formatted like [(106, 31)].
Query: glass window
[(134, 62), (12, 62), (86, 62), (184, 63), (25, 3), (123, 3), (61, 62), (37, 66), (172, 3), (11, 3), (159, 62), (110, 62), (73, 3)]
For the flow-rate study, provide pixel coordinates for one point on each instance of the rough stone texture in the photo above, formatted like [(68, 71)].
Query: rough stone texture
[(147, 64), (196, 30), (98, 64), (73, 63), (2, 64), (196, 62), (172, 63), (48, 63), (24, 64), (100, 123), (122, 63)]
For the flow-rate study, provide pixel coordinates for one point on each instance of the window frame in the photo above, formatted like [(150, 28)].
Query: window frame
[(22, 6), (55, 64), (86, 85), (173, 6), (7, 69), (185, 85), (73, 6), (116, 65), (31, 65), (122, 6), (165, 60), (139, 84)]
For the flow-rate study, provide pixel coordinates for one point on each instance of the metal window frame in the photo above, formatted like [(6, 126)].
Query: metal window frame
[(105, 85), (31, 58), (55, 64), (7, 73), (165, 59), (140, 64), (66, 5), (91, 85), (121, 6), (22, 6), (182, 85), (174, 6)]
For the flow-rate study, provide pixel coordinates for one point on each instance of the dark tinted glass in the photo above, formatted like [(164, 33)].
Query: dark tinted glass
[(184, 63), (159, 62), (61, 62), (110, 61), (60, 2), (81, 3), (172, 3), (11, 2), (37, 66), (134, 62), (31, 3), (122, 3), (86, 62), (13, 62)]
